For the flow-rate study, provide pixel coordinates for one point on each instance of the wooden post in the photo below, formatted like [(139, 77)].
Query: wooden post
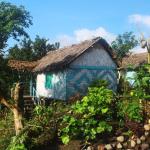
[(148, 57)]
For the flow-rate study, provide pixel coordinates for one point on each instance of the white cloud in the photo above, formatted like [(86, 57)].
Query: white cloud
[(65, 40), (138, 49), (140, 19), (85, 34)]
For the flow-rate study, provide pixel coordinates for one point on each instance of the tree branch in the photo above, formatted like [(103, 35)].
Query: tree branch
[(4, 102)]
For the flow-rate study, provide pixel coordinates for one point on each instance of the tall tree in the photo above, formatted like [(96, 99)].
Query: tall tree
[(123, 44), (31, 50), (13, 22), (41, 47)]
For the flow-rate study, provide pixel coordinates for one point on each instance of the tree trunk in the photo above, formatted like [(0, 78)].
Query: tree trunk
[(18, 120), (17, 108)]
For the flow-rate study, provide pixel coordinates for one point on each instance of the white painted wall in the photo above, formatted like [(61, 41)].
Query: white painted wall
[(58, 90), (40, 86)]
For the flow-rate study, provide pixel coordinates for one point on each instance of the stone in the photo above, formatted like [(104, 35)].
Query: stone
[(120, 138), (113, 145), (89, 148), (119, 146), (138, 141), (108, 146), (101, 147), (133, 143), (143, 138), (145, 146), (133, 137), (146, 133), (147, 127)]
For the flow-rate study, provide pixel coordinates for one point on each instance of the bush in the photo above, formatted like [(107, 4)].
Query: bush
[(41, 129), (90, 116), (130, 110), (6, 128)]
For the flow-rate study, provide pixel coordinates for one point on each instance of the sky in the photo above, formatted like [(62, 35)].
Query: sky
[(72, 21)]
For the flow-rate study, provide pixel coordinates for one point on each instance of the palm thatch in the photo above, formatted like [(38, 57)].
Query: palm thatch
[(61, 58), (22, 65), (134, 60)]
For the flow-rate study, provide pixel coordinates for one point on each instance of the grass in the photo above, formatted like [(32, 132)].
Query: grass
[(6, 128)]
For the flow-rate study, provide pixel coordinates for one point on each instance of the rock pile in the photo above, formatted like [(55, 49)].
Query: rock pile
[(130, 143)]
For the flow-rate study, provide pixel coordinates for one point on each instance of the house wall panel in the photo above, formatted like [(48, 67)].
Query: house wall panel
[(95, 56), (94, 64), (58, 90), (78, 80)]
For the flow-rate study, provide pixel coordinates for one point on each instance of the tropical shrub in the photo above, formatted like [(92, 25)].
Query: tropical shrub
[(41, 129), (6, 128), (141, 85), (130, 109), (18, 142), (90, 116), (131, 105), (42, 114)]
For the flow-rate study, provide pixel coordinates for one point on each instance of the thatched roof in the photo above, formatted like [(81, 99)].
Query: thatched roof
[(61, 58), (22, 65), (134, 60)]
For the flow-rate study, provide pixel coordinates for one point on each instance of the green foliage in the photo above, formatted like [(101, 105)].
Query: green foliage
[(5, 81), (141, 85), (41, 129), (23, 52), (130, 109), (43, 114), (123, 44), (41, 47), (13, 21), (31, 50), (6, 128), (90, 116), (18, 142), (99, 83), (131, 105)]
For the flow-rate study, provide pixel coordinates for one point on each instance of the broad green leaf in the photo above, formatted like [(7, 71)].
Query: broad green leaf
[(104, 110), (65, 139)]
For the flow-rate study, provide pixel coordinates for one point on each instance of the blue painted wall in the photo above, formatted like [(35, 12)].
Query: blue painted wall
[(59, 85), (78, 79)]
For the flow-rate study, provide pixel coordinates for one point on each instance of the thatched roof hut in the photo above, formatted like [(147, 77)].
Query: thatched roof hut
[(61, 58), (134, 60), (68, 71)]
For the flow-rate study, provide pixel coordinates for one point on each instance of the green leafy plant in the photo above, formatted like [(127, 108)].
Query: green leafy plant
[(18, 142), (141, 85), (6, 128), (89, 117), (131, 110), (43, 114), (41, 129)]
